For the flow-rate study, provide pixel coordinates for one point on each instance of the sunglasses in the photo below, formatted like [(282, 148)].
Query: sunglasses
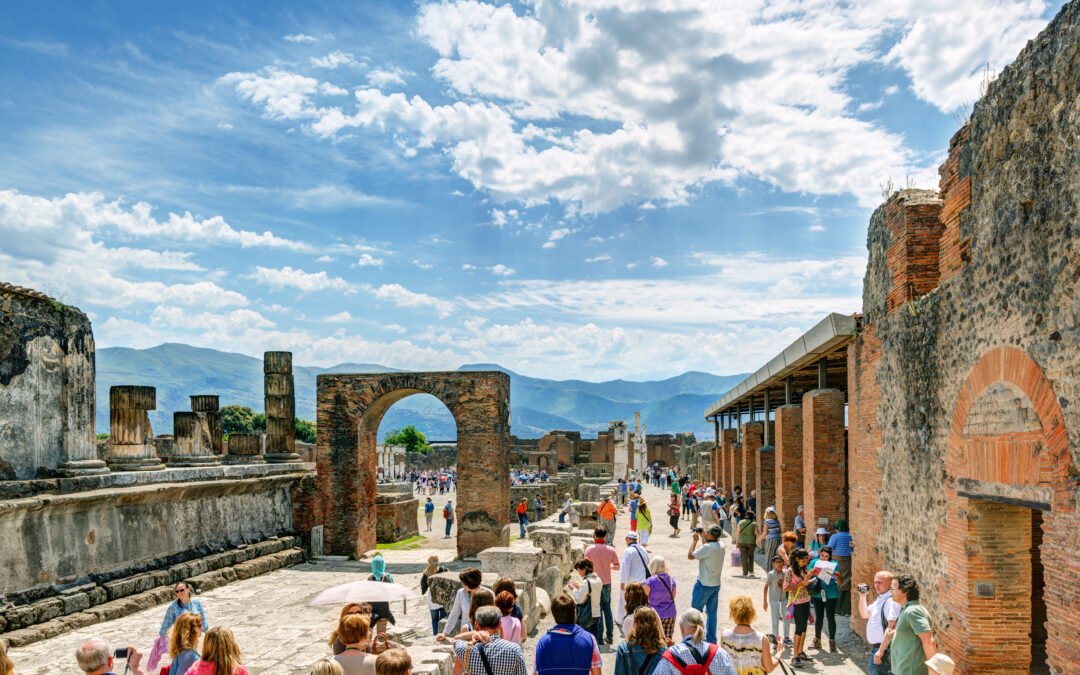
[(178, 591)]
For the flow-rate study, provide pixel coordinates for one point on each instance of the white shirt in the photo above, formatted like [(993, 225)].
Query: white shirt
[(590, 588), (874, 632), (634, 564)]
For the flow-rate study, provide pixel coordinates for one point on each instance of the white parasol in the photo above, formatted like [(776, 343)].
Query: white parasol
[(363, 591)]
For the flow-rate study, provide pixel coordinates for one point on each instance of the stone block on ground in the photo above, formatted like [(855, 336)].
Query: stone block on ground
[(550, 580), (589, 492), (551, 541), (549, 524), (519, 563), (445, 585)]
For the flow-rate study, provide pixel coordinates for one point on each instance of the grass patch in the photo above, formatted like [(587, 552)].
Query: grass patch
[(409, 544)]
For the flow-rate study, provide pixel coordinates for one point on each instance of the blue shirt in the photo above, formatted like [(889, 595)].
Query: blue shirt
[(633, 509), (840, 543), (429, 507), (176, 609), (773, 526)]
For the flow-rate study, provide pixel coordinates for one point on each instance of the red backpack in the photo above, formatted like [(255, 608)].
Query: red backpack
[(700, 666)]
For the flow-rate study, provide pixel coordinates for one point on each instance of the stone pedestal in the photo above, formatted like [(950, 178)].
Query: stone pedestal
[(131, 438), (280, 405), (245, 449), (192, 444)]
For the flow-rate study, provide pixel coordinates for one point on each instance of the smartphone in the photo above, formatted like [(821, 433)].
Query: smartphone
[(121, 653)]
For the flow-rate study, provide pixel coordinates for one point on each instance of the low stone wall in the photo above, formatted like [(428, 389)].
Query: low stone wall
[(397, 511), (549, 494)]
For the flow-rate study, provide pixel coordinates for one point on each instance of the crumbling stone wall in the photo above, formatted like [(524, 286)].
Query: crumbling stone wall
[(46, 386), (1005, 311)]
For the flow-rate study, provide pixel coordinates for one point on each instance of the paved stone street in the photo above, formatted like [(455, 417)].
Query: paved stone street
[(279, 633)]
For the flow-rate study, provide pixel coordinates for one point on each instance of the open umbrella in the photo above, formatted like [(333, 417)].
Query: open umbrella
[(363, 591)]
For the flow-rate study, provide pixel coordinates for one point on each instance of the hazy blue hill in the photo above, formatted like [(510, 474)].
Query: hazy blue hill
[(537, 405)]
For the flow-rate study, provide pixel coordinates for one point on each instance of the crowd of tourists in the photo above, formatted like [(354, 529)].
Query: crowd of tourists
[(440, 482)]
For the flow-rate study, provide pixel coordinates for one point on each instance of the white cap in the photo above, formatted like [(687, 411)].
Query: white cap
[(941, 663)]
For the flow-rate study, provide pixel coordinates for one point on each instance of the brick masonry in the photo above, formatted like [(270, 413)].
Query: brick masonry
[(727, 449), (788, 458), (751, 443), (965, 427), (824, 456), (349, 409), (765, 479)]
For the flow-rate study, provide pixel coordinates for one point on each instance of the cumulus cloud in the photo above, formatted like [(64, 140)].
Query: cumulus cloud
[(334, 60), (403, 297), (658, 262), (501, 270), (305, 282), (368, 260), (340, 317), (381, 77)]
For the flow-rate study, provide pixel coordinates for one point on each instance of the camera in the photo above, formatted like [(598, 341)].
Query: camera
[(698, 530), (121, 653), (863, 588)]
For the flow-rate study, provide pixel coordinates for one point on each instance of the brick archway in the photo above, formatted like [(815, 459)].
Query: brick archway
[(349, 409), (1011, 518)]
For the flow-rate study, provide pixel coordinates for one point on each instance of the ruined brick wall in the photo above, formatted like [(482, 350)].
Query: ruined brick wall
[(751, 443), (46, 386), (1005, 312)]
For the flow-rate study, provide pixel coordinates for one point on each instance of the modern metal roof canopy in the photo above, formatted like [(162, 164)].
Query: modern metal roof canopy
[(799, 359)]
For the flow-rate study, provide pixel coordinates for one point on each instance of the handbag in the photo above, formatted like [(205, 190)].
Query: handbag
[(736, 557), (584, 610), (380, 644)]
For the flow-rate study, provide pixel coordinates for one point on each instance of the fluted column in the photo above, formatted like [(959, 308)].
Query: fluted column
[(246, 449), (131, 438)]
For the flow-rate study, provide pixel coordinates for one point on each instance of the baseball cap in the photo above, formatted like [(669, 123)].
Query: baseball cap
[(631, 536)]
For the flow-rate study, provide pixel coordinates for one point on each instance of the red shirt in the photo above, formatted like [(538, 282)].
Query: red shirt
[(602, 557)]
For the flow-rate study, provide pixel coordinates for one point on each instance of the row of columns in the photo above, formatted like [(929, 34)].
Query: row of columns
[(198, 438), (800, 457)]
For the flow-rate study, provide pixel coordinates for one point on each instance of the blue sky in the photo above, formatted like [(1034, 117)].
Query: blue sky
[(589, 189)]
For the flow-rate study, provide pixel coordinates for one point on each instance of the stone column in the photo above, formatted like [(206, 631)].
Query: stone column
[(131, 439), (618, 434), (192, 441), (246, 449), (209, 406), (280, 403), (789, 459), (824, 456), (79, 453)]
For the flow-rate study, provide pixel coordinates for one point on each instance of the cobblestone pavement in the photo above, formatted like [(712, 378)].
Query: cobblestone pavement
[(279, 633)]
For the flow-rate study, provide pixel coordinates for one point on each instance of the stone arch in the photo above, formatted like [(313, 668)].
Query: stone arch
[(349, 410), (1011, 517)]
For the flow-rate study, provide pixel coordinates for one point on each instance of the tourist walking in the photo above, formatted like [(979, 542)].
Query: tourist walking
[(523, 516), (772, 601), (585, 591), (633, 506), (911, 643), (565, 510), (771, 533), (438, 612), (750, 651), (604, 559), (607, 512), (746, 536), (660, 588), (787, 545), (380, 611), (825, 598), (842, 548), (448, 516), (511, 628), (694, 649), (635, 600), (184, 603), (796, 580), (690, 503), (880, 617), (487, 652), (429, 512), (566, 649), (221, 654), (183, 643), (644, 646), (470, 578), (635, 568), (644, 521), (710, 557), (673, 514), (507, 584)]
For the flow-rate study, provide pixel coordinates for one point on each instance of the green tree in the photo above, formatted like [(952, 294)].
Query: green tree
[(237, 419), (412, 438), (305, 430)]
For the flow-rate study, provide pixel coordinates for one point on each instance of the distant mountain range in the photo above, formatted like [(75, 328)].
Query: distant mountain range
[(537, 405)]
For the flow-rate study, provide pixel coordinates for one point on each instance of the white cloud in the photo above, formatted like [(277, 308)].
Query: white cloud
[(658, 262), (368, 260), (468, 267), (751, 89), (557, 235), (326, 259), (603, 257), (380, 77), (422, 265), (334, 60), (403, 297), (340, 317), (501, 270), (301, 37), (305, 282), (890, 90), (816, 227)]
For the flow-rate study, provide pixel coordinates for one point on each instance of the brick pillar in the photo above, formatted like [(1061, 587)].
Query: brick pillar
[(955, 190), (824, 466), (913, 219), (864, 471), (788, 458), (727, 448), (752, 432), (765, 479)]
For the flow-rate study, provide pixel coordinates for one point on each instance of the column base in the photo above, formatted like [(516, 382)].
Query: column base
[(282, 457), (81, 467), (136, 464), (244, 459), (194, 460)]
